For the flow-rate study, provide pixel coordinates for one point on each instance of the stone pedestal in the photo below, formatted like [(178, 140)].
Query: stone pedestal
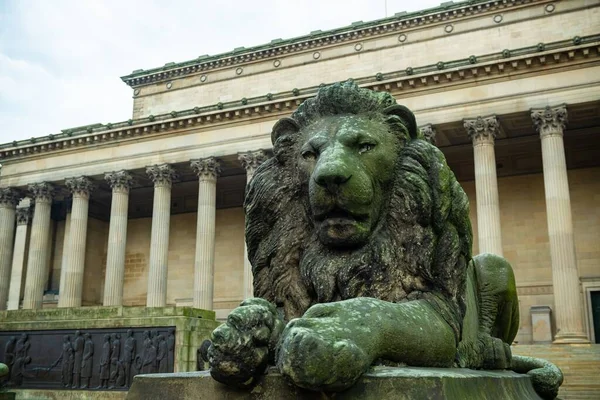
[(382, 383), (541, 324)]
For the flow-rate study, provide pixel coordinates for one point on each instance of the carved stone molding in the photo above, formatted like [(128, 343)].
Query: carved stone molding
[(41, 192), (252, 159), (550, 120), (482, 129), (162, 174), (23, 215), (119, 181), (9, 197), (80, 186), (429, 132), (206, 168)]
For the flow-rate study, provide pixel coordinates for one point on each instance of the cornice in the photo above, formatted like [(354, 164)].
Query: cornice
[(405, 82), (359, 30)]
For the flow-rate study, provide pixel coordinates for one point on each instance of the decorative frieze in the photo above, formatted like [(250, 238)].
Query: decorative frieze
[(80, 186), (252, 159), (162, 174), (119, 181), (23, 215), (41, 192), (482, 129), (550, 120), (429, 132), (206, 168), (9, 197)]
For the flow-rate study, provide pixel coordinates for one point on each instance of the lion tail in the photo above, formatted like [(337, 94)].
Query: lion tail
[(545, 376)]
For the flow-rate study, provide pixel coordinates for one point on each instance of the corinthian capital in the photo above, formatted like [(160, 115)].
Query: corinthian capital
[(161, 175), (482, 129), (206, 168), (41, 192), (80, 186), (428, 131), (550, 120), (119, 181), (23, 215), (9, 197), (252, 159)]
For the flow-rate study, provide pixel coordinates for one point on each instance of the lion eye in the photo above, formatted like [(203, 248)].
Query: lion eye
[(365, 147), (309, 155)]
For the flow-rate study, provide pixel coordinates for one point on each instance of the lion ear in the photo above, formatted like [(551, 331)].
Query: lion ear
[(284, 125), (406, 116)]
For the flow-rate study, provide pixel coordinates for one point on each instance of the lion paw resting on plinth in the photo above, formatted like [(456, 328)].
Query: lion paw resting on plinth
[(359, 236)]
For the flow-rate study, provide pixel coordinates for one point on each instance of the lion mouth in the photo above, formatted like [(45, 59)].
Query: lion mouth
[(338, 215)]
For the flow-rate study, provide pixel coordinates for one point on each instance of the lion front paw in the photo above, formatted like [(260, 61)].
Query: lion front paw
[(496, 354), (241, 347), (318, 354)]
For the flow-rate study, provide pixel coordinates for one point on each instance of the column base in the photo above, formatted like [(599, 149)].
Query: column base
[(571, 338)]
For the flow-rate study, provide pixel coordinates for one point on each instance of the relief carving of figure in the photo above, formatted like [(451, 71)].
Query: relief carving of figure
[(162, 354), (9, 351), (87, 362), (171, 349), (78, 344), (149, 359), (115, 354), (67, 362), (129, 356), (105, 363)]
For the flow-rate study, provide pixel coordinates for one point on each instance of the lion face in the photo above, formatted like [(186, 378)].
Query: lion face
[(347, 161)]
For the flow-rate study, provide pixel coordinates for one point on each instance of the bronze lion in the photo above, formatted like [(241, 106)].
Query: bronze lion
[(360, 241)]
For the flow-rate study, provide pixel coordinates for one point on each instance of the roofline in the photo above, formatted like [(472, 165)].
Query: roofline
[(417, 77), (317, 39)]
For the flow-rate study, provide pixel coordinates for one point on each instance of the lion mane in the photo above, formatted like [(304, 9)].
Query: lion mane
[(421, 245)]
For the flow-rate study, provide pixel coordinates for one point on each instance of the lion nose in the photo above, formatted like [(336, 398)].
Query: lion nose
[(331, 178)]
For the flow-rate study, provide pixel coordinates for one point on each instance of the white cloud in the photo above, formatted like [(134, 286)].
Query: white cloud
[(60, 61)]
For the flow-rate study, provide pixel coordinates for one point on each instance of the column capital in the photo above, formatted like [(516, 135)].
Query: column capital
[(482, 129), (161, 174), (550, 120), (9, 197), (23, 215), (429, 132), (41, 192), (252, 159), (80, 186), (119, 181), (206, 168)]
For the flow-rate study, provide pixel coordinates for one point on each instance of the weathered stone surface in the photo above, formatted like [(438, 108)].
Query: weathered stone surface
[(380, 383)]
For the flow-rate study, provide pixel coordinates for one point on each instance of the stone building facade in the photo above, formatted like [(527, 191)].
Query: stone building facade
[(148, 211)]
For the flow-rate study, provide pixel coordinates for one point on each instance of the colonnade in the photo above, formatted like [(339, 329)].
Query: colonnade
[(549, 121)]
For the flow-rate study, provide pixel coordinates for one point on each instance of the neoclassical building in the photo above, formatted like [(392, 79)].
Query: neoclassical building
[(148, 211)]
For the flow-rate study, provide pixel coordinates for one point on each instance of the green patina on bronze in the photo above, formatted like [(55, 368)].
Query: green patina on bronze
[(360, 242)]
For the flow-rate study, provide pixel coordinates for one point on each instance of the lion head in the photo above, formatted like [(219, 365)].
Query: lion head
[(355, 203)]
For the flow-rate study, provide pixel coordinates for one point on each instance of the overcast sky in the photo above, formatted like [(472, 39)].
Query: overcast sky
[(60, 60)]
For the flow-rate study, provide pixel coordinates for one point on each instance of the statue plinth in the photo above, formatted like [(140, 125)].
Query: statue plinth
[(380, 383)]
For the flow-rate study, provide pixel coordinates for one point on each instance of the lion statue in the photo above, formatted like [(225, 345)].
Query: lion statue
[(360, 241)]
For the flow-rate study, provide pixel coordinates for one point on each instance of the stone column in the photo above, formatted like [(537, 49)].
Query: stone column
[(18, 261), (8, 202), (483, 132), (428, 131), (120, 182), (207, 170), (550, 122), (65, 253), (39, 245), (162, 176), (250, 161), (71, 283)]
